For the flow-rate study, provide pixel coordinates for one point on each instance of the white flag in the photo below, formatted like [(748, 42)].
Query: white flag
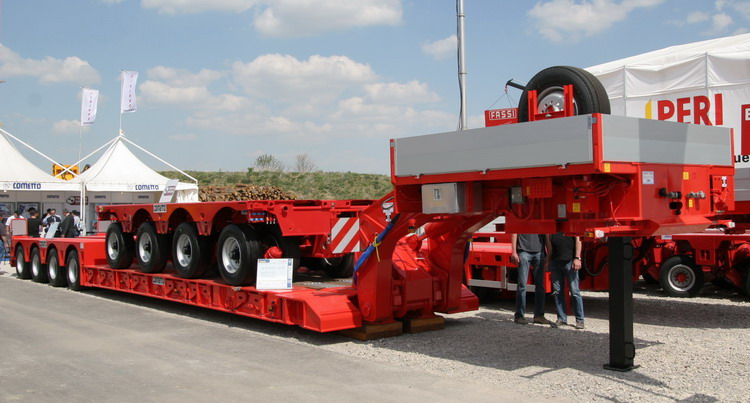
[(127, 101), (88, 106)]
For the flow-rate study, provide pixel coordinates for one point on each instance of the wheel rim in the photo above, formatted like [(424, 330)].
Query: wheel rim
[(184, 250), (681, 277), (52, 267), (35, 264), (145, 247), (552, 99), (230, 255), (113, 247), (72, 271)]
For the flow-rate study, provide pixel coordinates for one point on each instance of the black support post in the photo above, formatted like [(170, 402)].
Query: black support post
[(621, 347)]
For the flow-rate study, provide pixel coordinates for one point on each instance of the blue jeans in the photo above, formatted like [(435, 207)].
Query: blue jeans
[(2, 250), (562, 270), (527, 259)]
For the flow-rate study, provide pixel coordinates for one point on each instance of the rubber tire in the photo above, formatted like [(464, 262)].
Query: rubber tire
[(680, 262), (271, 236), (55, 273), (589, 94), (746, 282), (73, 272), (119, 247), (237, 254), (192, 262), (153, 246), (38, 270), (339, 267), (23, 268)]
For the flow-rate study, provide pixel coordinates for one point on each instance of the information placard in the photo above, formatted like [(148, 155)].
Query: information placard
[(274, 274)]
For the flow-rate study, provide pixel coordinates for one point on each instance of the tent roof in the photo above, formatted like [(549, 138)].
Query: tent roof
[(118, 169), (727, 46), (17, 169)]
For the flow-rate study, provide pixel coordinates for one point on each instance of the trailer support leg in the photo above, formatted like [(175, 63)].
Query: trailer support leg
[(621, 347)]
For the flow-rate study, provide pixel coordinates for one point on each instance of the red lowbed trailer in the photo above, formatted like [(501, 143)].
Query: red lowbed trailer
[(596, 175)]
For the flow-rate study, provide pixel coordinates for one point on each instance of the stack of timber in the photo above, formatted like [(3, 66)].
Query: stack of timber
[(244, 192)]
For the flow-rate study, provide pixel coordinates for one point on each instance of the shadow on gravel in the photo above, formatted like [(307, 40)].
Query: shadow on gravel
[(651, 307)]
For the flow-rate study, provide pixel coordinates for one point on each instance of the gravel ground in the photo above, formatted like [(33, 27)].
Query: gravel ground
[(689, 350)]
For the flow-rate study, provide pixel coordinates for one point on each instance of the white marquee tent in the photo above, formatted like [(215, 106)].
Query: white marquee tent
[(119, 177), (25, 185), (705, 82)]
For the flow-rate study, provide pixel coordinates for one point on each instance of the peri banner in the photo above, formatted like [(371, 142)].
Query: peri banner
[(127, 94), (89, 100)]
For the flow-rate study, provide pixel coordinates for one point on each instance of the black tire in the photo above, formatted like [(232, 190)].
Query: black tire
[(55, 272), (120, 247), (237, 254), (151, 249), (73, 272), (23, 268), (589, 95), (191, 252), (339, 267), (680, 277), (38, 270), (271, 236)]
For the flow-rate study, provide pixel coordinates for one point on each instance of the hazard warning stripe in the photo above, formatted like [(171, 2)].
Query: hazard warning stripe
[(344, 235)]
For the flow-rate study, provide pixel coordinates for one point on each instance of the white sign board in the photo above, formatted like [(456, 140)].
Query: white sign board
[(274, 274), (167, 196)]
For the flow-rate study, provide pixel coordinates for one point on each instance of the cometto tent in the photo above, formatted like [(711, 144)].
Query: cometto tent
[(25, 185), (119, 177)]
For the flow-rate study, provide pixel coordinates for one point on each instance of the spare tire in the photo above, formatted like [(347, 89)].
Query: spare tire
[(589, 95)]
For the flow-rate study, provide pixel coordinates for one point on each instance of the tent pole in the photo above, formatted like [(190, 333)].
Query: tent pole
[(161, 160)]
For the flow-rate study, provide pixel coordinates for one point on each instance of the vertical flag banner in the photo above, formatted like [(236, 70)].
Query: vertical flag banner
[(89, 100), (127, 100)]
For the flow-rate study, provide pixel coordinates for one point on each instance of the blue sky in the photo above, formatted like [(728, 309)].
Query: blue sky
[(223, 81)]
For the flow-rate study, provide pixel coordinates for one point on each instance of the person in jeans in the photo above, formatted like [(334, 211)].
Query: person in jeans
[(4, 238), (564, 262), (527, 252)]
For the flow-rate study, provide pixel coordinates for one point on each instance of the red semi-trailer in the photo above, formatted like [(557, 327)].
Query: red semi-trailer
[(595, 175)]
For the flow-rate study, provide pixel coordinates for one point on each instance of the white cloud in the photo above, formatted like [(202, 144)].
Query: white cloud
[(443, 48), (292, 18), (197, 6), (318, 79), (697, 16), (412, 92), (47, 70), (181, 77), (68, 127), (184, 137), (720, 23), (569, 20)]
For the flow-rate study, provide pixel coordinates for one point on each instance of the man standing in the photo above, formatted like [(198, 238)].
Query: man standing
[(4, 241), (50, 219), (34, 223), (565, 262), (527, 251), (67, 228)]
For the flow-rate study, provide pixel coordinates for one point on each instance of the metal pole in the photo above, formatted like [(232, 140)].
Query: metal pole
[(462, 125)]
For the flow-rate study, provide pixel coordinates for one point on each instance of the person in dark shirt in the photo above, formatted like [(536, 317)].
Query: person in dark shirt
[(564, 261), (34, 224), (526, 252), (67, 227)]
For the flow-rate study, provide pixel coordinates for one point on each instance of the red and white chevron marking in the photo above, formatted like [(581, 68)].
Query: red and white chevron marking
[(344, 238)]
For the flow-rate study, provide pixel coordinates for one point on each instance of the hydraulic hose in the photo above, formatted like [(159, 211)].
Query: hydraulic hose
[(373, 246)]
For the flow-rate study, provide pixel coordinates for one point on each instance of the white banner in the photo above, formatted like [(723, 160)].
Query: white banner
[(89, 100), (127, 94)]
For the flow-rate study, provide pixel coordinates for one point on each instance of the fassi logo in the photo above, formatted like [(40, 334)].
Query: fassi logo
[(689, 110)]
